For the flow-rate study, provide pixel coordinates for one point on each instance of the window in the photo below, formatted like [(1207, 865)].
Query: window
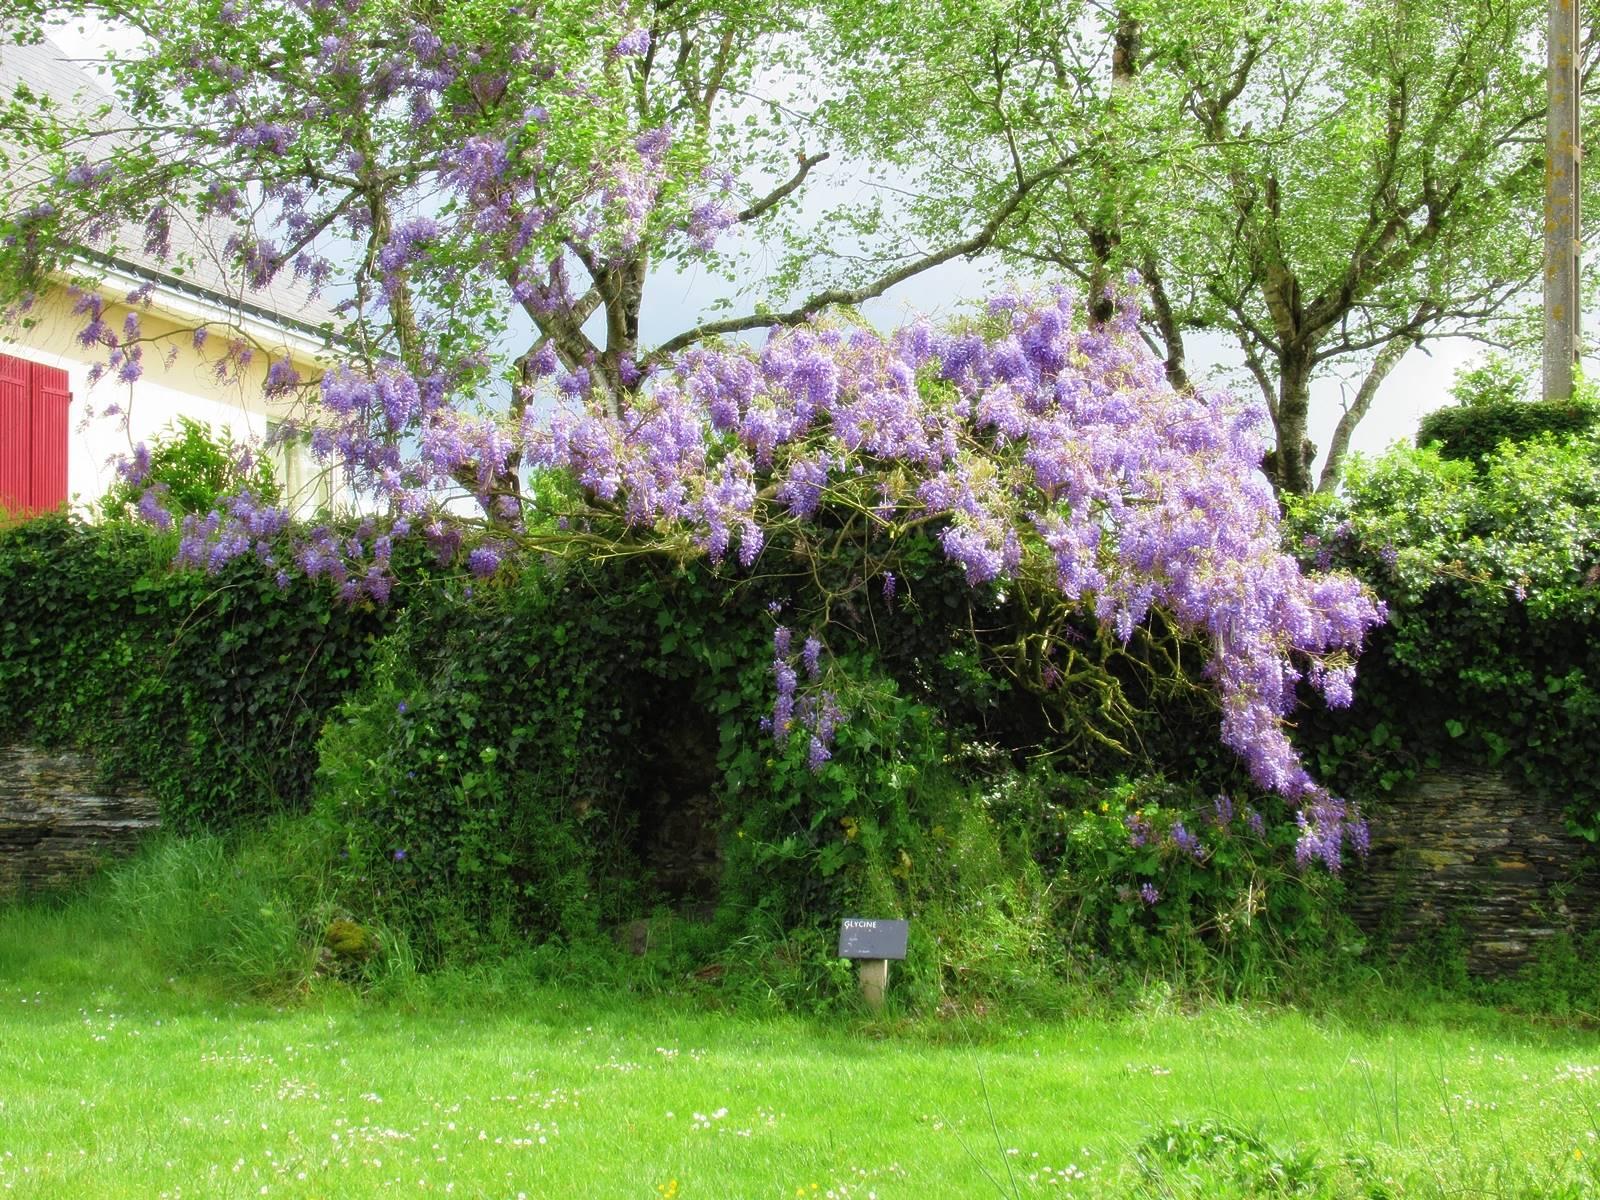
[(307, 488)]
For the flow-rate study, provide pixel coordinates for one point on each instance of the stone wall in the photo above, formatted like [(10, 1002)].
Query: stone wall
[(1474, 850), (58, 821)]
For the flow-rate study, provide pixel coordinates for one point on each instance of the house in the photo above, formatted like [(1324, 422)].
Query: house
[(64, 419)]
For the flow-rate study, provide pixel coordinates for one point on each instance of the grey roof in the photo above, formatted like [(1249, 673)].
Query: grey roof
[(197, 241)]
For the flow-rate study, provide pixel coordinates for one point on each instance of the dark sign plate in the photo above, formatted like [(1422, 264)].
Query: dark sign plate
[(861, 938)]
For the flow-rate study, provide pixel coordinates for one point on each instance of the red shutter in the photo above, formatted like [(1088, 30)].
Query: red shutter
[(33, 435), (16, 435), (50, 401)]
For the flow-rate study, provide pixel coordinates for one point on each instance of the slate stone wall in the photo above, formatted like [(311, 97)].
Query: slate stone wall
[(1475, 850), (58, 822)]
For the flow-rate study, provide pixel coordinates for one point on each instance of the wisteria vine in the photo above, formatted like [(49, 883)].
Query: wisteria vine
[(1034, 452), (468, 169)]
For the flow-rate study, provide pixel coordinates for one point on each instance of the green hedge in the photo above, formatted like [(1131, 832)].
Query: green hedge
[(1472, 432), (490, 763), (210, 690), (520, 749), (526, 754), (1491, 655)]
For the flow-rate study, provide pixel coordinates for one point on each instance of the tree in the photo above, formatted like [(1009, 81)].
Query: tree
[(482, 160), (473, 170), (1329, 184)]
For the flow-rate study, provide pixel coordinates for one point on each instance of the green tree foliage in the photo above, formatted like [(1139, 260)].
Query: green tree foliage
[(1498, 379), (629, 139), (1327, 184)]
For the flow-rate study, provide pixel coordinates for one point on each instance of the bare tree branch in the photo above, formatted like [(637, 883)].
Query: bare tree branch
[(850, 296), (786, 189), (1387, 359)]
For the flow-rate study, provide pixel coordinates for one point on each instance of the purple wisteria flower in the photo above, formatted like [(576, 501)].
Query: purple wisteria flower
[(1222, 810), (152, 510), (811, 657), (784, 705), (483, 561), (281, 377), (1138, 830), (1186, 842), (1039, 454), (633, 44)]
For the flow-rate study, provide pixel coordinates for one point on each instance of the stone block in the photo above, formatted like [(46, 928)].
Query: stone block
[(1475, 849), (59, 822)]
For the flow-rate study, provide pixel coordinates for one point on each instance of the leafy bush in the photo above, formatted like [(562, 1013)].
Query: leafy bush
[(210, 690), (529, 757), (1472, 434), (68, 621), (1195, 885), (481, 778), (1497, 379), (190, 470), (1492, 408), (1490, 652)]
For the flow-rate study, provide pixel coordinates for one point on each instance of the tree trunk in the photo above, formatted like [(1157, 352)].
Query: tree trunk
[(1289, 464), (1167, 326), (1103, 236), (622, 321), (1388, 358), (1101, 306)]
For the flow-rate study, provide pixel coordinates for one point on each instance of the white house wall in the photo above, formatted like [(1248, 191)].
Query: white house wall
[(145, 409)]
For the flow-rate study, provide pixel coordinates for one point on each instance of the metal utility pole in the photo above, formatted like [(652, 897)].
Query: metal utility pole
[(1562, 157)]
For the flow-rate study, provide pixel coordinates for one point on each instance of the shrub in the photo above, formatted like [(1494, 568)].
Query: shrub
[(210, 690), (1492, 408), (190, 470), (522, 751), (487, 780)]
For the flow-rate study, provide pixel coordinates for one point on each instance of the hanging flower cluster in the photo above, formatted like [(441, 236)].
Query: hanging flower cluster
[(1025, 445), (480, 174)]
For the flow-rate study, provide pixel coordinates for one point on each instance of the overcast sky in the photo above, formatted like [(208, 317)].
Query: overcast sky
[(674, 299), (1420, 383)]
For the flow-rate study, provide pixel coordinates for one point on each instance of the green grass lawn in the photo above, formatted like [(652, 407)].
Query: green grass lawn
[(117, 1083)]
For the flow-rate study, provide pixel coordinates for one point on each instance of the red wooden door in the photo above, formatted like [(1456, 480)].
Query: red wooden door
[(33, 435)]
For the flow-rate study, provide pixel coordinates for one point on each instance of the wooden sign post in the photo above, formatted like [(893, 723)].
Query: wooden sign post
[(872, 944)]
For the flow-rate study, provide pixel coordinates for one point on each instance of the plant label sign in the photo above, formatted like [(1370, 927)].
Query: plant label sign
[(862, 938)]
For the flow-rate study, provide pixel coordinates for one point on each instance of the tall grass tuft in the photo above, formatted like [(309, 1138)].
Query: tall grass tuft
[(249, 913)]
